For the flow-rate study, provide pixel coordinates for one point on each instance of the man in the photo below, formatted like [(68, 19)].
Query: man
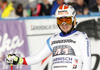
[(81, 7), (96, 7), (34, 8), (56, 4), (70, 49), (45, 8), (6, 9)]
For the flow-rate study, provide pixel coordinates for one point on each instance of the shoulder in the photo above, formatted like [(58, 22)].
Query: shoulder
[(53, 36), (82, 36)]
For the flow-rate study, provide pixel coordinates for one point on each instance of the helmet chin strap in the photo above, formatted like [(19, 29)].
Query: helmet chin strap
[(69, 30)]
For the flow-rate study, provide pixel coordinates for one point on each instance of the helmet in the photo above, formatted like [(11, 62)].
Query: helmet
[(66, 10)]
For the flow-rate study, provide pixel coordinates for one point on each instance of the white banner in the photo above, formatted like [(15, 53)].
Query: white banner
[(41, 26)]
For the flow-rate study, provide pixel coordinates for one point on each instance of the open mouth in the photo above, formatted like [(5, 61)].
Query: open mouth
[(65, 27)]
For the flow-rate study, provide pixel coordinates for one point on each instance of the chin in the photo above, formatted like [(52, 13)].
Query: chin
[(65, 31)]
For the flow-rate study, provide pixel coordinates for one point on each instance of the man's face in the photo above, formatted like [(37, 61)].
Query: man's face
[(1, 3), (98, 2), (65, 23), (65, 28), (60, 2), (80, 2)]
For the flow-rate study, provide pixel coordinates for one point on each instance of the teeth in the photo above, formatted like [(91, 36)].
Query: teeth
[(64, 27)]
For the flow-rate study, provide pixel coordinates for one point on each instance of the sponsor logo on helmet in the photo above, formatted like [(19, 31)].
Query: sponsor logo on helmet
[(64, 12)]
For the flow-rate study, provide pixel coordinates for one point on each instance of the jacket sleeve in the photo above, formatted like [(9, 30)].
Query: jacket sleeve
[(85, 49), (42, 54)]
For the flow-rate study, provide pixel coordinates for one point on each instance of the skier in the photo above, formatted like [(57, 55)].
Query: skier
[(70, 48)]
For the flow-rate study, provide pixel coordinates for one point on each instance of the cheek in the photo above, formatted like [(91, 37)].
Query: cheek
[(70, 26)]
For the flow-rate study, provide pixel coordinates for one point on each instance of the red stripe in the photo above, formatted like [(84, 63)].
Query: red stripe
[(11, 67), (65, 7), (24, 61), (61, 7), (45, 59)]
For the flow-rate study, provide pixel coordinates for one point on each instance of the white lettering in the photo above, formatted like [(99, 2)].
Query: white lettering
[(8, 44)]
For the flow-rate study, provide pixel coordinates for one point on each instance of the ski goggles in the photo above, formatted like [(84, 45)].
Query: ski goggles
[(67, 20)]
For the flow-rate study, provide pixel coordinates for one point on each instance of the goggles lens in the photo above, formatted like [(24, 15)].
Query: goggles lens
[(67, 20)]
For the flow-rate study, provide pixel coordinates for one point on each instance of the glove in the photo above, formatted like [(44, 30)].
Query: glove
[(12, 59)]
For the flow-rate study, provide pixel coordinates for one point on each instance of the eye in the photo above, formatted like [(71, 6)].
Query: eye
[(66, 20)]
